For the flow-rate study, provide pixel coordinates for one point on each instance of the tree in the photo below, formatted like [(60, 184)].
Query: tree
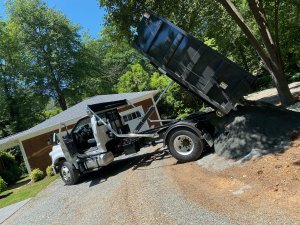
[(118, 54), (214, 21), (270, 55), (20, 104), (143, 78), (52, 43), (134, 80), (90, 72)]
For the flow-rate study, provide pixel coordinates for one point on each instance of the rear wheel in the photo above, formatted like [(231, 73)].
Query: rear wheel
[(69, 174), (185, 145)]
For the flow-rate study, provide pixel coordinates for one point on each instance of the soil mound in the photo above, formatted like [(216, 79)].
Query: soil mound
[(256, 129)]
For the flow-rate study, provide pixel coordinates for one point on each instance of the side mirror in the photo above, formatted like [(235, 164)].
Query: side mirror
[(53, 140), (66, 129)]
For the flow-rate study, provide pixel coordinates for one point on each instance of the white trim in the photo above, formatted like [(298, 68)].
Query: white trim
[(48, 129), (140, 99), (131, 110), (25, 157), (9, 145), (156, 110)]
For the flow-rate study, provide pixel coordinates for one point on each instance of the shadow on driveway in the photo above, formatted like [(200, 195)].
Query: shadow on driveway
[(122, 165)]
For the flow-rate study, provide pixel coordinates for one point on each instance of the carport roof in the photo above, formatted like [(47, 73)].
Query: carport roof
[(70, 116)]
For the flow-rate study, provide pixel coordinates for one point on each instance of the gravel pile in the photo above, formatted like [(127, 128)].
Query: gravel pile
[(255, 130)]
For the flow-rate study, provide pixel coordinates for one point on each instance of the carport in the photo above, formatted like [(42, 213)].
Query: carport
[(34, 141)]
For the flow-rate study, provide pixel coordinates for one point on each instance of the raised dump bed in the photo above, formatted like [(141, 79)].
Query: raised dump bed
[(215, 79)]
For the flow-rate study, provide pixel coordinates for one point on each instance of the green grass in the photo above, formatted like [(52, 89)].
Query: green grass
[(28, 191)]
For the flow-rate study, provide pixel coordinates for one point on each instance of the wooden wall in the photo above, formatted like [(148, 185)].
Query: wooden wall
[(37, 151)]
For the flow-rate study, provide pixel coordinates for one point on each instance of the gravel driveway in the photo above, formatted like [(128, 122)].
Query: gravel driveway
[(136, 190)]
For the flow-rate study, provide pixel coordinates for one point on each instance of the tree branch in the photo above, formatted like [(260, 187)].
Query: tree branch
[(258, 12), (237, 17)]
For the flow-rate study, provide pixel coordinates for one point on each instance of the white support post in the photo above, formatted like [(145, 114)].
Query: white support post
[(156, 110), (25, 157)]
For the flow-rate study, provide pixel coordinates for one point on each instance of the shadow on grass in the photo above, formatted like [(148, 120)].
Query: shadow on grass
[(20, 184), (6, 195)]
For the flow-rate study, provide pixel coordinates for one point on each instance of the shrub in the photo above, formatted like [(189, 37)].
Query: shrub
[(49, 171), (37, 175), (23, 168), (3, 185), (10, 169)]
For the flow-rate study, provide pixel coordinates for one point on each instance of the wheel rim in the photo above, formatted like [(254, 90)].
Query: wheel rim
[(65, 172), (183, 144)]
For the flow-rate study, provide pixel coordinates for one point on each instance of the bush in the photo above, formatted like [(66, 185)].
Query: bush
[(49, 171), (23, 168), (37, 175), (10, 169), (3, 185)]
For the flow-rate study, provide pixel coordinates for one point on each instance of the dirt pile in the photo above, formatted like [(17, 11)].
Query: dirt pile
[(254, 130)]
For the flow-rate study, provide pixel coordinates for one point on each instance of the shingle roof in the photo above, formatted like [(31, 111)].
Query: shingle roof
[(70, 115)]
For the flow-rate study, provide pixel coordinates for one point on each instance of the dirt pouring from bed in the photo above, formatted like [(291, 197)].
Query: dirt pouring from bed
[(255, 130)]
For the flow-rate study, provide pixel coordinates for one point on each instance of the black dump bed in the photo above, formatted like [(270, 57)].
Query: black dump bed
[(197, 67)]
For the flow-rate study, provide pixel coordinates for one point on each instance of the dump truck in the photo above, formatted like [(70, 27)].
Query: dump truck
[(101, 136)]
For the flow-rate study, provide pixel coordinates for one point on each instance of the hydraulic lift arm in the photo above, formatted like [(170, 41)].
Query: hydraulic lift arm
[(151, 109)]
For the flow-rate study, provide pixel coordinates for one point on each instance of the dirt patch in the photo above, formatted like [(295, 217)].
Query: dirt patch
[(269, 185), (274, 178)]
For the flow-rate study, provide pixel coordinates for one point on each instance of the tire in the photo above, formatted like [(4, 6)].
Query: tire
[(185, 145), (68, 173)]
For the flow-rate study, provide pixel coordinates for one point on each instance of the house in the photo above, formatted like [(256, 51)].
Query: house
[(34, 141)]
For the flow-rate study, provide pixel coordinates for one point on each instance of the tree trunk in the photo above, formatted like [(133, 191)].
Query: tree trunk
[(271, 57), (276, 22), (275, 60), (54, 82), (60, 97)]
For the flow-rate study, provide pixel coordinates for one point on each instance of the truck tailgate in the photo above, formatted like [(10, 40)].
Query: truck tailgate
[(215, 79)]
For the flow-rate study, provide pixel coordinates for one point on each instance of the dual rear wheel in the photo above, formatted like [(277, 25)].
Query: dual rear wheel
[(185, 145)]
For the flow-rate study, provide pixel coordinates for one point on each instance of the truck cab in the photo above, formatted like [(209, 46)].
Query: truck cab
[(92, 143)]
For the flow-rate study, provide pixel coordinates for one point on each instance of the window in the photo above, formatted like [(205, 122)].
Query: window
[(133, 115), (129, 117)]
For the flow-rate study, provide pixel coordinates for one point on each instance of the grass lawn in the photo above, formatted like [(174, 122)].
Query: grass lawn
[(19, 194), (23, 178)]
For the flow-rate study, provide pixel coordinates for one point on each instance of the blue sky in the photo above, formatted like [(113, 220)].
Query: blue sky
[(86, 13)]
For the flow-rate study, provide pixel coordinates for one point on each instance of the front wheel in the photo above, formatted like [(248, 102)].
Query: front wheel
[(68, 173), (185, 145)]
